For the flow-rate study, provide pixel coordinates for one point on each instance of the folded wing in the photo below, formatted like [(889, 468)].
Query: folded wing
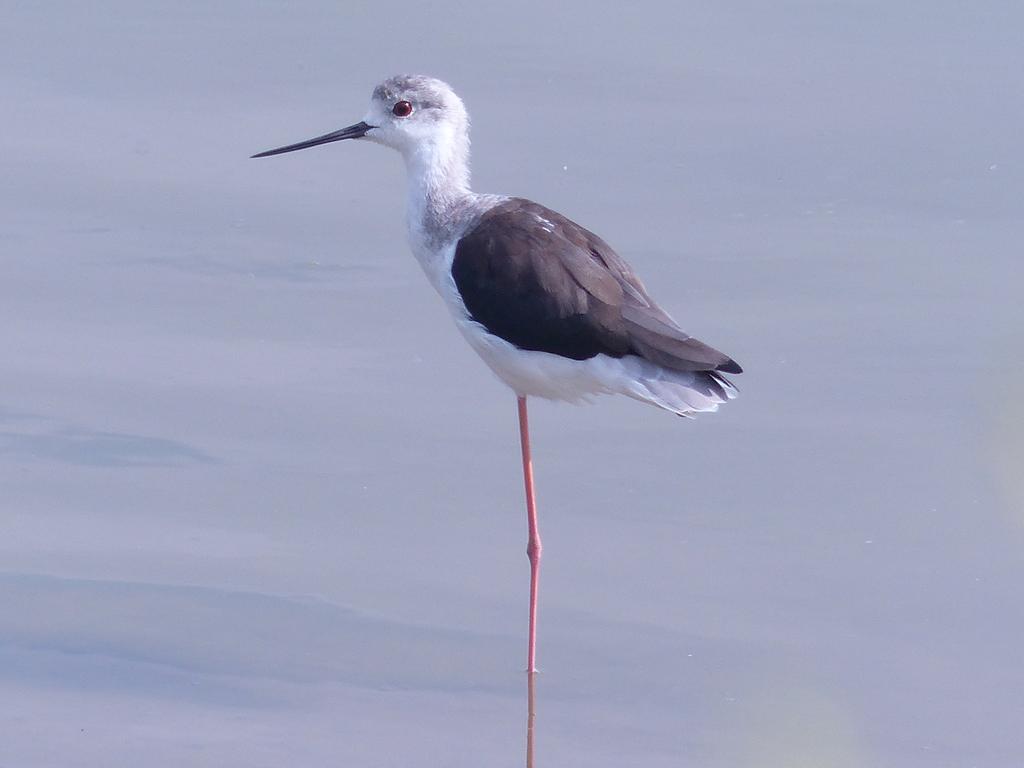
[(544, 283)]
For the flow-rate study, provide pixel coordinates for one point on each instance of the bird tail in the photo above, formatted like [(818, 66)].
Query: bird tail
[(682, 392)]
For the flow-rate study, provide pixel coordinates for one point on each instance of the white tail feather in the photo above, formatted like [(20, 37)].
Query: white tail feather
[(682, 392)]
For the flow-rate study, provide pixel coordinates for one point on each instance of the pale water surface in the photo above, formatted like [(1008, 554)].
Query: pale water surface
[(261, 506)]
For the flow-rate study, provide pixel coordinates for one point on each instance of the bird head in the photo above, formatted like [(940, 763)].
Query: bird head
[(419, 116)]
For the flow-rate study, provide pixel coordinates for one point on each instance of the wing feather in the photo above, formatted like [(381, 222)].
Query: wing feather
[(542, 282)]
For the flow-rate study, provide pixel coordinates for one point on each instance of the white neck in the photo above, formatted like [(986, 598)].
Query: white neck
[(438, 181)]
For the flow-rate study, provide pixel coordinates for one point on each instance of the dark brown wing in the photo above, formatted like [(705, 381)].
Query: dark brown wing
[(542, 282)]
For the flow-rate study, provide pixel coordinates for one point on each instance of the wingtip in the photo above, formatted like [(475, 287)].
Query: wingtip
[(730, 366)]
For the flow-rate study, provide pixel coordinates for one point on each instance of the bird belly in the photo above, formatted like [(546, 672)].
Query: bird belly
[(541, 374)]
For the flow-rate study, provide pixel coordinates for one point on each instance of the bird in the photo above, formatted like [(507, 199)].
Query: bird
[(548, 305)]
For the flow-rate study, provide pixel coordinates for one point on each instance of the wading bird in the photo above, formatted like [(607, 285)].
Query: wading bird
[(547, 304)]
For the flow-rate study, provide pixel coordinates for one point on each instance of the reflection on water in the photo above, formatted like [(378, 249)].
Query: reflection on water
[(96, 448), (531, 714)]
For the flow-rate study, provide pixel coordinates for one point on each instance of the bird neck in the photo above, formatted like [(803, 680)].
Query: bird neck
[(438, 179)]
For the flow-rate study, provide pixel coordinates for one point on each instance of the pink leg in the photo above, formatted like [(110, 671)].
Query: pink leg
[(533, 548)]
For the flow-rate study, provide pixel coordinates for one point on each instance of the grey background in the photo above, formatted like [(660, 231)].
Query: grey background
[(261, 506)]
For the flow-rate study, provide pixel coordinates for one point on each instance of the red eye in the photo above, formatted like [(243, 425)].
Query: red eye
[(402, 109)]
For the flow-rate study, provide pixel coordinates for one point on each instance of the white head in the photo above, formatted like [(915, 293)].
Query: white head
[(422, 118)]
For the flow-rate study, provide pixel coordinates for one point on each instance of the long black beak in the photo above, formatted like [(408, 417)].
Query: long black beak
[(356, 131)]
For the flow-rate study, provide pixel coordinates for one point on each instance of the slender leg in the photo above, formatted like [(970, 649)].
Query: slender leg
[(533, 547)]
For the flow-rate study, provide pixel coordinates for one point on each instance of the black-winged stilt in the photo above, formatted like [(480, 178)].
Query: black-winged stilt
[(547, 304)]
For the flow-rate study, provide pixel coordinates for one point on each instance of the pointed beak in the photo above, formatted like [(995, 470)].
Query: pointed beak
[(356, 131)]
